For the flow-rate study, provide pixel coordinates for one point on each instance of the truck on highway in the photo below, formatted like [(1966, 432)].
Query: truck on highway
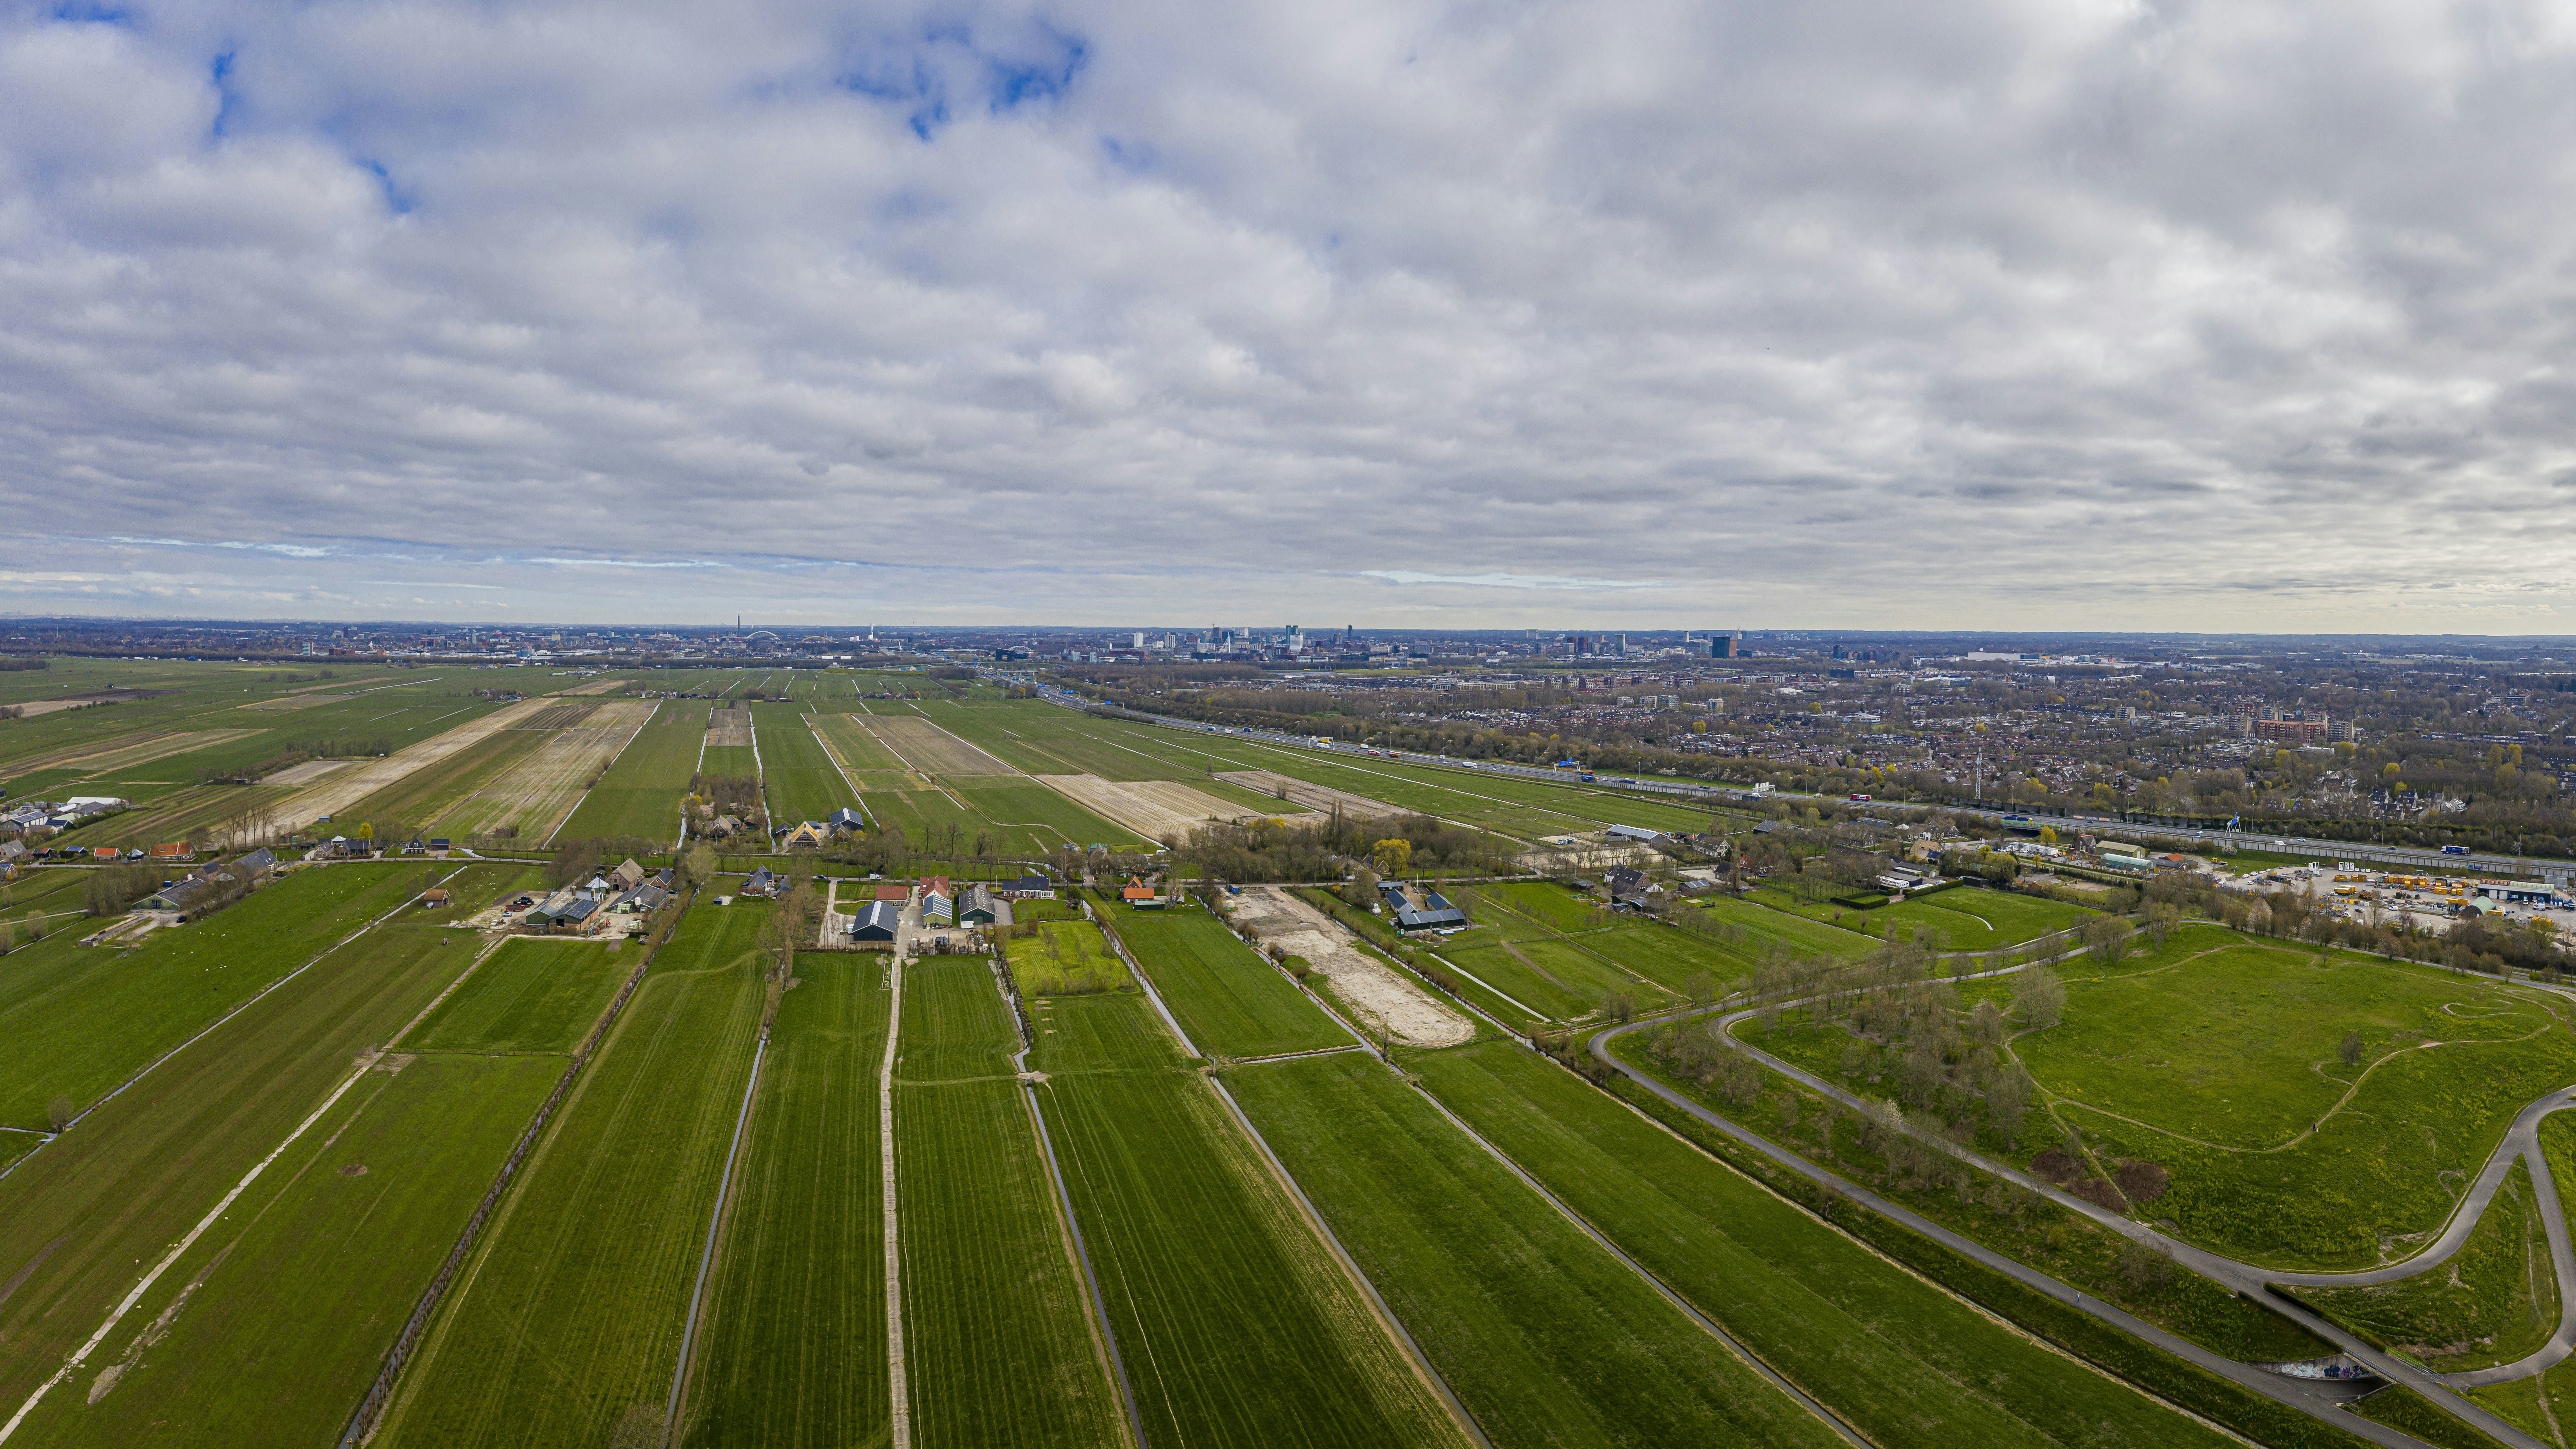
[(2455, 850)]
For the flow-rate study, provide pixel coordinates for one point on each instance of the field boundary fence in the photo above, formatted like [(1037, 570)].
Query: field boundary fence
[(362, 1423)]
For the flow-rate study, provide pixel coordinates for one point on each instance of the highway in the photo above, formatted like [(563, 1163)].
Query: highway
[(1700, 793)]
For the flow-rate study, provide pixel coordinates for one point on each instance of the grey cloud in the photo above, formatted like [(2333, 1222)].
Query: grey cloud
[(1817, 314)]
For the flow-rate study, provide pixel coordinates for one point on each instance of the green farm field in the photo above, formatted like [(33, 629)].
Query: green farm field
[(1227, 999), (803, 782), (530, 995), (1544, 1336), (308, 1281), (1763, 928), (999, 1343), (641, 793), (92, 1208), (1904, 1362), (1236, 1324), (75, 1021), (596, 1251), (1067, 958), (794, 1346)]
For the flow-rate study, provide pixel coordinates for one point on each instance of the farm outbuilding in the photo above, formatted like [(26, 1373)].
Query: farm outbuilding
[(877, 926)]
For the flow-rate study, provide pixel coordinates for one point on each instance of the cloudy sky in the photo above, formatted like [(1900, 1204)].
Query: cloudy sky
[(1706, 314)]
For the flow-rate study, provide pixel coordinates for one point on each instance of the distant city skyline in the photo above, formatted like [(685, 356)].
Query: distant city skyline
[(2107, 317)]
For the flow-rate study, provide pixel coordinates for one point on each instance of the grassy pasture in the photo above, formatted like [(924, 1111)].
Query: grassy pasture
[(998, 1337), (2495, 1301), (1960, 919), (1067, 958), (1230, 1001), (1545, 1337), (303, 1287), (595, 1254), (1764, 927), (75, 1022), (86, 1213), (795, 1341), (2519, 1403), (739, 761), (531, 995), (640, 794), (1906, 1363), (1548, 974), (1036, 819), (1236, 1325)]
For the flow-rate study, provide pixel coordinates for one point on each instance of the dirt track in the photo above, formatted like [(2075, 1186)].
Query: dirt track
[(1379, 994)]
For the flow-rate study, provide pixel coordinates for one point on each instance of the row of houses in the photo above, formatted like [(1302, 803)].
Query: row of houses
[(941, 905), (26, 815), (182, 896)]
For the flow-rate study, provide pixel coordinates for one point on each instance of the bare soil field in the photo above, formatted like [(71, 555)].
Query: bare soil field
[(127, 750), (1321, 799), (296, 701), (1382, 996), (1151, 808), (595, 686), (534, 796), (306, 773), (929, 748), (557, 715), (344, 788), (729, 728)]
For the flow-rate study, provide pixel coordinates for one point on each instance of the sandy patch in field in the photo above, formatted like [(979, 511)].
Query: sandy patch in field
[(35, 707), (1151, 808), (344, 788), (306, 773), (297, 701), (1382, 996), (1319, 798), (729, 728), (929, 749), (539, 793), (595, 686)]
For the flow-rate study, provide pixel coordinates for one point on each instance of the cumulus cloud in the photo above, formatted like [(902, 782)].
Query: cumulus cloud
[(1699, 314)]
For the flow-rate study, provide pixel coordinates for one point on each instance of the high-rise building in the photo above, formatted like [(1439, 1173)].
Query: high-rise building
[(1721, 646)]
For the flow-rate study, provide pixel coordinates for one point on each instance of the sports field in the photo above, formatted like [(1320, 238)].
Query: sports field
[(597, 1251), (1236, 1324), (1904, 1362), (794, 1346), (640, 795), (1229, 1000), (1546, 1337), (999, 1343)]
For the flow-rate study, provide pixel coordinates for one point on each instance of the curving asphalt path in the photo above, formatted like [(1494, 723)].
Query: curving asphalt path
[(2521, 1140)]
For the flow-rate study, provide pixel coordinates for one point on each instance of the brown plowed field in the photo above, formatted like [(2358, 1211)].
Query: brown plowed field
[(344, 788), (930, 749), (535, 795), (729, 728), (1151, 808), (1382, 996), (1319, 798)]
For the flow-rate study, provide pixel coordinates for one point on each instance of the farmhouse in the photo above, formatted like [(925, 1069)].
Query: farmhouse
[(810, 833), (1421, 909), (1026, 888), (763, 883), (628, 874)]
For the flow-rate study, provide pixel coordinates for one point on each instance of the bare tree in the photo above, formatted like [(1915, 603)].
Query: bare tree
[(2039, 997), (60, 1112)]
